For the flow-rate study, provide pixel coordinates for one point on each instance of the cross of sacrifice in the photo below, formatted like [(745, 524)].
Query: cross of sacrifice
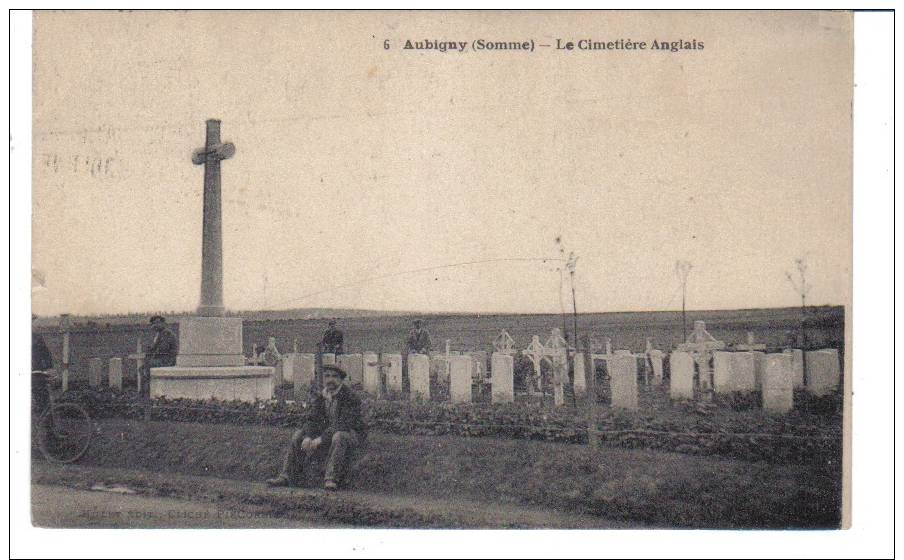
[(504, 343), (210, 157)]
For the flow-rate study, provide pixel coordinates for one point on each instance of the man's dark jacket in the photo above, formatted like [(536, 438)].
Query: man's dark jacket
[(163, 352), (419, 340), (41, 359), (348, 416), (332, 341)]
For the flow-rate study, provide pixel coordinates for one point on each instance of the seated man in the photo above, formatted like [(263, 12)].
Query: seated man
[(333, 430)]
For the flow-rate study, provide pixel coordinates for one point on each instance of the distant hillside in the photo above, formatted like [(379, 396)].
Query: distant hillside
[(258, 315), (612, 317)]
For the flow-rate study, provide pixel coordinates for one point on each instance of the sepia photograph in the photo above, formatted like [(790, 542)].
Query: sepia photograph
[(441, 269)]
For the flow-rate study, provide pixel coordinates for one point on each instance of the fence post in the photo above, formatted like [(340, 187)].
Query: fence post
[(64, 324)]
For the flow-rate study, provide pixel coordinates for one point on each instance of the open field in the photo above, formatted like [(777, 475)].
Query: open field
[(825, 329), (651, 488)]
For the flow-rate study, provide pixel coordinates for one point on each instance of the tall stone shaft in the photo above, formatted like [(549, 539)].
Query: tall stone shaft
[(212, 239)]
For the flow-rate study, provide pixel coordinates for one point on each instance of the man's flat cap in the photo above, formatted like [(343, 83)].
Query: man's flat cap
[(331, 367)]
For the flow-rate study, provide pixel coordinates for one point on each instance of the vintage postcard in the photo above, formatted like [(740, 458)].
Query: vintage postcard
[(441, 269)]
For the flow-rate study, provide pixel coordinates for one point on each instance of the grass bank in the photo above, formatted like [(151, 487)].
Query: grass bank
[(644, 486)]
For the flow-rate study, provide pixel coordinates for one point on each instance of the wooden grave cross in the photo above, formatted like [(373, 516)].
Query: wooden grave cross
[(536, 353), (504, 343), (139, 357), (751, 344), (557, 350)]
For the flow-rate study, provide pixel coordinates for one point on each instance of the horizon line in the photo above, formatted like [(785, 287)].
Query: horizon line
[(379, 312)]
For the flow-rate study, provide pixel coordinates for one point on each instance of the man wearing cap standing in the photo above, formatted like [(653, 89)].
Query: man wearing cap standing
[(332, 340), (333, 431), (419, 338), (162, 352), (41, 364)]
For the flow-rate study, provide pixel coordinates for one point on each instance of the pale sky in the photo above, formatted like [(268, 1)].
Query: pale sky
[(354, 162)]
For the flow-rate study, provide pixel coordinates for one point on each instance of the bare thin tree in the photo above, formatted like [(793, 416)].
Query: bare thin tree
[(682, 269), (802, 287)]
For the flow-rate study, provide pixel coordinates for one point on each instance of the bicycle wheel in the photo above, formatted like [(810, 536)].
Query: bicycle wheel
[(64, 433)]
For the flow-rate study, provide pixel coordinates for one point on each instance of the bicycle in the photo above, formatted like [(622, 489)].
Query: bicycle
[(63, 430)]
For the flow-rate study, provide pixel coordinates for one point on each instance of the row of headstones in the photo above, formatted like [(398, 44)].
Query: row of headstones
[(774, 375), (364, 370), (369, 369)]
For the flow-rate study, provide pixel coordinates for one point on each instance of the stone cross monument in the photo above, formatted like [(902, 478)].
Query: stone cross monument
[(210, 363), (212, 240)]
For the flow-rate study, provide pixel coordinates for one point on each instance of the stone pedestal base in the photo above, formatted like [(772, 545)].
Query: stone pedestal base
[(210, 342), (241, 383)]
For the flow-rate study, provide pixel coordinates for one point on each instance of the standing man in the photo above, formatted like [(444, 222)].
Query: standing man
[(333, 430), (41, 364), (331, 343), (419, 338), (162, 352)]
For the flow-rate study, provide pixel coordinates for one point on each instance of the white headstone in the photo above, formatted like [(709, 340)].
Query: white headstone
[(278, 372), (759, 366), (681, 386), (460, 378), (393, 373), (722, 375), (288, 367), (823, 371), (656, 362), (419, 377), (371, 374), (95, 366), (778, 392), (304, 366), (503, 377), (623, 381), (743, 376), (580, 375), (797, 367), (115, 373), (353, 364)]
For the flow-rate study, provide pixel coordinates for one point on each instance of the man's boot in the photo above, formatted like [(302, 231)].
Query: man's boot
[(281, 480)]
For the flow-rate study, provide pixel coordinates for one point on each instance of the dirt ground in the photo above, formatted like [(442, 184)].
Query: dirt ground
[(65, 507), (63, 498)]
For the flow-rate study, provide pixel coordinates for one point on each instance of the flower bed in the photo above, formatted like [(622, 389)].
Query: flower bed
[(810, 434)]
